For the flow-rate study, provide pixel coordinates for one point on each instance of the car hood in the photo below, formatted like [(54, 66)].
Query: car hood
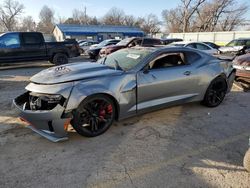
[(73, 72), (231, 48)]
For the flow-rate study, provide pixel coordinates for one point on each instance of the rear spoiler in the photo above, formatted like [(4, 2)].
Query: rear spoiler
[(225, 58)]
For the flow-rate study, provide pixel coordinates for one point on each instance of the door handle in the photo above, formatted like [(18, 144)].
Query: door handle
[(187, 73)]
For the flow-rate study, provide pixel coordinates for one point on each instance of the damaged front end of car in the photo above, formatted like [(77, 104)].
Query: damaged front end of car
[(45, 113)]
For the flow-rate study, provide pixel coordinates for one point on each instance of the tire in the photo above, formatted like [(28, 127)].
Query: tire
[(94, 116), (246, 161), (60, 59), (215, 93)]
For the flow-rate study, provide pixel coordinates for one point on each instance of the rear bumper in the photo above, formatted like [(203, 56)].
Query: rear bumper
[(48, 124)]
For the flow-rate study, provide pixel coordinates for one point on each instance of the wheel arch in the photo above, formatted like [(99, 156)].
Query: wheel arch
[(223, 75), (117, 107)]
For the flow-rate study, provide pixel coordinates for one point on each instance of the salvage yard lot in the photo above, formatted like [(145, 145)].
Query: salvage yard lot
[(182, 146)]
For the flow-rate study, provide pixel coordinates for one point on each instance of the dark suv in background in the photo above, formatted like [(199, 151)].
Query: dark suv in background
[(31, 46)]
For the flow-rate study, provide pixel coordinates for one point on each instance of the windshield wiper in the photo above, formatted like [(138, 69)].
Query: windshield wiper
[(117, 66), (104, 60)]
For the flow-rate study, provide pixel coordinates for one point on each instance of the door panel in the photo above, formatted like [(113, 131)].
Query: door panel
[(10, 47), (34, 46), (167, 85)]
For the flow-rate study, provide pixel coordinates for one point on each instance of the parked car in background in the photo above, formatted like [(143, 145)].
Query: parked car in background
[(93, 52), (128, 43), (84, 46), (213, 45), (170, 40), (199, 46), (236, 47), (128, 82), (242, 66), (30, 46)]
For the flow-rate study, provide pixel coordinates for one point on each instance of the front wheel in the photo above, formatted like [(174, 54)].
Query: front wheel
[(246, 161), (94, 116), (216, 92)]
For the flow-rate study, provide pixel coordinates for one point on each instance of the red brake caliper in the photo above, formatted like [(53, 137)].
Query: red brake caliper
[(103, 112)]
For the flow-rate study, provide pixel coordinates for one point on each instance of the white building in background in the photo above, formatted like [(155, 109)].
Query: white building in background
[(95, 32), (220, 38)]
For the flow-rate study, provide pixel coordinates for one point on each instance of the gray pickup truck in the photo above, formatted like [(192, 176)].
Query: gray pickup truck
[(31, 46)]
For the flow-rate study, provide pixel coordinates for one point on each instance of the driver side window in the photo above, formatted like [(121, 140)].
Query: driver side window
[(168, 60), (10, 41)]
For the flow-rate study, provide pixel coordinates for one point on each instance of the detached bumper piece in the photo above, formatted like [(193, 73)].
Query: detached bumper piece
[(47, 123)]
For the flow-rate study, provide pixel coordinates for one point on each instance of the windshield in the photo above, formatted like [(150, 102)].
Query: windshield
[(125, 59), (236, 43), (124, 42), (103, 43)]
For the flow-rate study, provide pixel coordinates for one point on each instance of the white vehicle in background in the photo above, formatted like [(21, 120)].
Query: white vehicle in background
[(84, 46), (199, 46)]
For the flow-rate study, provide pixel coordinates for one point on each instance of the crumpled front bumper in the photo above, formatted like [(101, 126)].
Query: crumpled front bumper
[(242, 71), (47, 123)]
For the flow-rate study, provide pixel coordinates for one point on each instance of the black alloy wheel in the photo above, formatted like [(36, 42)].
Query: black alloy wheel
[(94, 116), (216, 92)]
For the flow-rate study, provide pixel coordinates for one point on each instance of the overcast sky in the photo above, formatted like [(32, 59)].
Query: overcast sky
[(98, 8)]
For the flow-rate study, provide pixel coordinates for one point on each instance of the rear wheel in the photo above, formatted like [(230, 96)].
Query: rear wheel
[(60, 59), (246, 161), (94, 116), (216, 92)]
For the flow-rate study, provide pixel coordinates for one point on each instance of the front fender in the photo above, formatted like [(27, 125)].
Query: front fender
[(121, 88), (81, 91)]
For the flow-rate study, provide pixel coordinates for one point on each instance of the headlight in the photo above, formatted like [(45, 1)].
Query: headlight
[(38, 101)]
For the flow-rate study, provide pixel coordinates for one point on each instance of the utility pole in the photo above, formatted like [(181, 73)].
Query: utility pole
[(85, 14)]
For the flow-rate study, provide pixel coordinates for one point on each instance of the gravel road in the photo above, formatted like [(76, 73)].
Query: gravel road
[(183, 146)]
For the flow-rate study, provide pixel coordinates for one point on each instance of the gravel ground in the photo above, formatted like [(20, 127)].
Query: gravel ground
[(182, 146)]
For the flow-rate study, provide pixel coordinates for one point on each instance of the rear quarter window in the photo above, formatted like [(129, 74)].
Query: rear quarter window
[(32, 38), (192, 57)]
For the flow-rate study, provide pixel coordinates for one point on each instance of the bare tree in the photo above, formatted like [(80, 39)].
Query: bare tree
[(28, 24), (189, 9), (232, 19), (10, 10), (80, 17), (180, 18), (130, 20), (150, 24), (173, 20), (46, 23), (114, 16), (205, 15)]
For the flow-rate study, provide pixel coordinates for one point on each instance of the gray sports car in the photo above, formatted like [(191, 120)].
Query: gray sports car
[(90, 96)]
